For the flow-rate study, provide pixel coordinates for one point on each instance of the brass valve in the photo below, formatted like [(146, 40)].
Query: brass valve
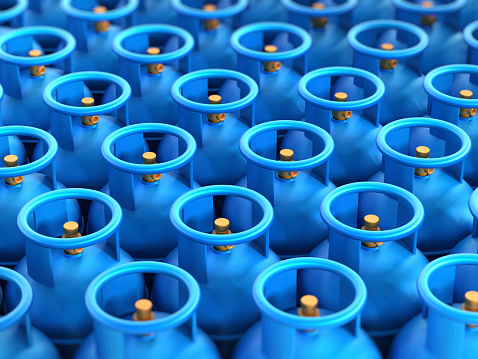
[(308, 306), (215, 117), (388, 64), (144, 310), (154, 69), (271, 66), (12, 161), (319, 22), (70, 230), (287, 155), (428, 20), (103, 25), (341, 115), (221, 226), (370, 222), (210, 24), (89, 120), (467, 112), (36, 71), (470, 304), (149, 158), (423, 152)]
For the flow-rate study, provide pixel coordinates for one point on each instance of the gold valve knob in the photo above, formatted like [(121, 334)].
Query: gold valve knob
[(287, 155), (12, 161), (154, 69), (308, 306), (467, 112), (70, 230), (221, 226), (388, 64), (149, 158), (470, 304), (423, 152), (428, 20), (144, 310), (89, 120), (103, 25), (210, 24), (215, 117), (319, 22), (36, 71), (370, 222), (271, 66), (341, 115)]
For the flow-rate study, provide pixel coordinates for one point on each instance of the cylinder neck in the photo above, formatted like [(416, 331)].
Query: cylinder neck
[(308, 308), (154, 69), (371, 224), (388, 64), (271, 66), (319, 22), (341, 115), (12, 161), (471, 304), (70, 230), (221, 227), (36, 71), (210, 24), (215, 117), (423, 152), (89, 120), (149, 158), (104, 25), (467, 112), (427, 20), (287, 155)]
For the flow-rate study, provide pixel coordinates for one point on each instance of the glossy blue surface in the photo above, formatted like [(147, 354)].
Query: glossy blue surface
[(263, 10), (12, 14), (372, 10), (155, 11), (45, 12)]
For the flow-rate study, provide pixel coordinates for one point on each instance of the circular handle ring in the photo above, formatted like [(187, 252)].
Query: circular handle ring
[(416, 8), (334, 10), (16, 10), (201, 14), (468, 31), (22, 308), (473, 204), (127, 9)]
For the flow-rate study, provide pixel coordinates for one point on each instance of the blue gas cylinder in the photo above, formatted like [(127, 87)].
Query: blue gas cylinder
[(260, 51), (373, 10), (216, 126), (468, 13), (12, 14), (211, 26), (295, 189), (441, 21), (25, 74), (45, 12), (327, 23), (17, 336), (432, 173), (263, 10), (392, 50), (95, 26), (146, 193), (144, 332), (80, 126), (25, 182), (353, 125), (225, 264), (156, 11), (445, 329), (60, 269), (151, 58), (373, 230), (333, 331)]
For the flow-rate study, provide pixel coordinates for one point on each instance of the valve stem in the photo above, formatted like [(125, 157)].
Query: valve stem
[(154, 69), (341, 115), (428, 20), (36, 71), (370, 222), (287, 155), (215, 117), (12, 161), (467, 112), (470, 304), (70, 230), (423, 152), (89, 120), (271, 66), (388, 64), (210, 24), (308, 306), (319, 22), (221, 227), (149, 158), (144, 310), (103, 25)]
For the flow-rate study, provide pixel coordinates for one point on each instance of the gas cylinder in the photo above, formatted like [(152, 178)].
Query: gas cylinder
[(441, 21), (146, 190), (372, 10), (327, 25), (225, 264), (392, 50), (12, 14), (263, 10), (446, 329), (436, 178), (23, 183), (17, 336), (373, 230), (353, 125), (151, 58), (259, 55), (450, 90), (25, 74), (217, 127), (295, 188), (60, 269), (211, 26), (45, 12), (80, 126), (331, 331), (145, 332), (468, 13), (155, 11), (94, 27)]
